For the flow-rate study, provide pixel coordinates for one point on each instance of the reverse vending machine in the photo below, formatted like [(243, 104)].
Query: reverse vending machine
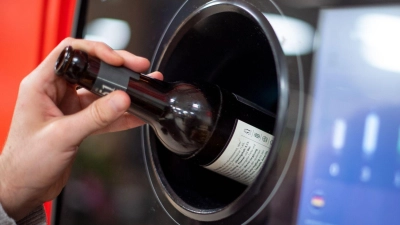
[(328, 69)]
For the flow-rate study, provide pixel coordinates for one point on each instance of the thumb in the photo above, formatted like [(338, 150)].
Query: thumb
[(97, 115)]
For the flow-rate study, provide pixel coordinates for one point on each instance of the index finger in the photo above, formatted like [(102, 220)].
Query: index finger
[(99, 50), (45, 71), (134, 62)]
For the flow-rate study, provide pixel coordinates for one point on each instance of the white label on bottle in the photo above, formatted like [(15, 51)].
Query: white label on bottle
[(245, 154)]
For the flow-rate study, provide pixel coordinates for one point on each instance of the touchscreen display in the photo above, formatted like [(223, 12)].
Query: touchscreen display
[(352, 158)]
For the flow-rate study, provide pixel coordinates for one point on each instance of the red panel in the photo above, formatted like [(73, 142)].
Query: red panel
[(29, 30), (58, 23), (20, 35)]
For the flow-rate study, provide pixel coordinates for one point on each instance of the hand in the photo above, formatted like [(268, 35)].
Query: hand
[(50, 120)]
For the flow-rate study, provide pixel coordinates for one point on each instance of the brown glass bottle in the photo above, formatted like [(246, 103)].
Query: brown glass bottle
[(197, 120)]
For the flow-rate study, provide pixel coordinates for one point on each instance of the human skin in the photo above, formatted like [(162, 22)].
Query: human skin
[(51, 118)]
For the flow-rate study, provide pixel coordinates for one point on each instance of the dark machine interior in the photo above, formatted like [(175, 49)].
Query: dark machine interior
[(230, 50)]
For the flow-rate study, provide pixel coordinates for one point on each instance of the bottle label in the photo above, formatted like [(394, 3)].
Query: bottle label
[(245, 154), (111, 78)]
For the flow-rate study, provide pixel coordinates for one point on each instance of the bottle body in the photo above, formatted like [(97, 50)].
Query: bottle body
[(196, 120), (183, 115), (241, 140)]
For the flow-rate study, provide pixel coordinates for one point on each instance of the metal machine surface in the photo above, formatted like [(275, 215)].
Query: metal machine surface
[(328, 69)]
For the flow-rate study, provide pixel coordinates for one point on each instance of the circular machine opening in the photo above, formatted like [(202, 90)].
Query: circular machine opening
[(229, 46)]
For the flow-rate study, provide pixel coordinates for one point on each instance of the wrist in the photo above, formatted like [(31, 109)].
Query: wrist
[(6, 192), (11, 199)]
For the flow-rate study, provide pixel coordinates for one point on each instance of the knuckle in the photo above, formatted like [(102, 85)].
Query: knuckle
[(95, 45), (25, 83), (67, 41), (99, 116), (55, 131)]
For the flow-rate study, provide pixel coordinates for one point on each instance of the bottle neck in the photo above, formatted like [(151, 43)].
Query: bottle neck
[(89, 75), (149, 98)]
